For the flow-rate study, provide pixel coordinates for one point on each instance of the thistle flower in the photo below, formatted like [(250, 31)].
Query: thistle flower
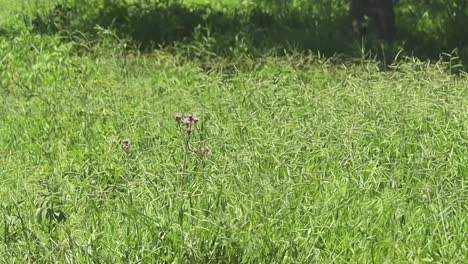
[(196, 119), (187, 121), (178, 117)]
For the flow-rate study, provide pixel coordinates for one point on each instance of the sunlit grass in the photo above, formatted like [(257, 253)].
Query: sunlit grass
[(309, 159)]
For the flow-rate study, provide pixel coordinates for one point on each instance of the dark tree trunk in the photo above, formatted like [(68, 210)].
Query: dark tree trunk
[(379, 11)]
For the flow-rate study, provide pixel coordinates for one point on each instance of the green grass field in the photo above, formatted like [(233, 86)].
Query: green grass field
[(308, 159)]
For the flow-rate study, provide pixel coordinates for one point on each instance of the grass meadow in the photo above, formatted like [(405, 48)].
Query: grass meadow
[(297, 157)]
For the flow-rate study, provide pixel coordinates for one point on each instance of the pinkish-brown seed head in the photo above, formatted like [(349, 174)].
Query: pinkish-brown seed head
[(178, 117), (196, 119), (187, 121)]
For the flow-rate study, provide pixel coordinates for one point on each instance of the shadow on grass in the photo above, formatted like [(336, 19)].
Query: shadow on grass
[(163, 25), (324, 28)]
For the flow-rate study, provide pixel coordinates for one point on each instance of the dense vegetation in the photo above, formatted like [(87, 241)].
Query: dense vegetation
[(425, 28), (297, 157)]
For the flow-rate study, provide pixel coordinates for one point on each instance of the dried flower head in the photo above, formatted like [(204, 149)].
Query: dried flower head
[(202, 151), (126, 145), (178, 117), (196, 119)]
